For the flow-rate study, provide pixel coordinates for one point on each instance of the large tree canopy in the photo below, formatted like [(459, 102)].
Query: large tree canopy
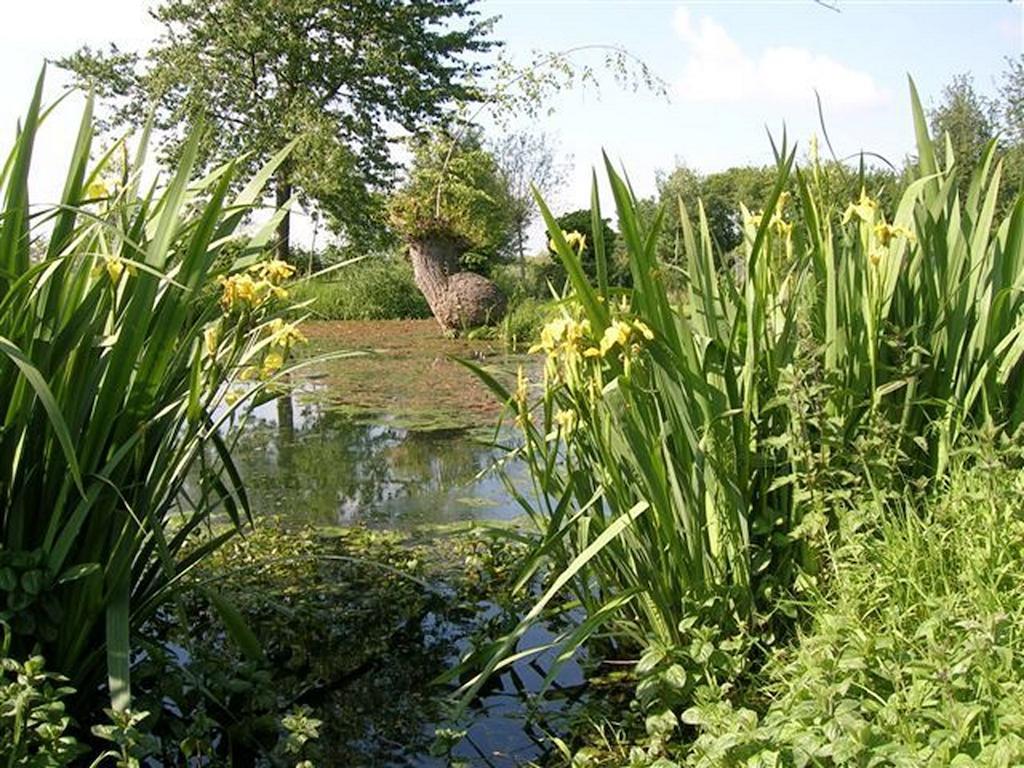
[(341, 76)]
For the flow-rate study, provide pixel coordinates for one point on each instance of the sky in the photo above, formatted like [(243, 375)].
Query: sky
[(732, 69)]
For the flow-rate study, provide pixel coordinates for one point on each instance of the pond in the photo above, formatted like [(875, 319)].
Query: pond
[(397, 437), (316, 463), (403, 437)]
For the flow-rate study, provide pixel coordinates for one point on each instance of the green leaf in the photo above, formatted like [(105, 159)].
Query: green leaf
[(235, 624), (49, 403), (118, 635)]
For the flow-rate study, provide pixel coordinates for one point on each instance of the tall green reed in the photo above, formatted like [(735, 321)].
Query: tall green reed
[(921, 318), (123, 322), (676, 447)]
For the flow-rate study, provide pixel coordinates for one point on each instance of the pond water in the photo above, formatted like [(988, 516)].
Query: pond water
[(312, 462), (398, 436), (404, 437)]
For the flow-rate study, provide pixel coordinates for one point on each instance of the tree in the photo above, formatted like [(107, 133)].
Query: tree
[(454, 213), (1011, 123), (526, 161), (1011, 106), (581, 221), (337, 76), (455, 189), (967, 118), (721, 194)]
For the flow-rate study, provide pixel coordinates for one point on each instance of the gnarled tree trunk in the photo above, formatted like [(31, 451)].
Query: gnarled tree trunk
[(459, 300)]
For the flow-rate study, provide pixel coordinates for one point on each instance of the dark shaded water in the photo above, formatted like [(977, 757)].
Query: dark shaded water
[(395, 714)]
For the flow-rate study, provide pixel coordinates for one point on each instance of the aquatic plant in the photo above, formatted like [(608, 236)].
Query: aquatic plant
[(687, 447), (126, 311)]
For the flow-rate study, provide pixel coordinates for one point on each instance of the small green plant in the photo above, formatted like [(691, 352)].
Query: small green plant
[(299, 728), (35, 727), (131, 742)]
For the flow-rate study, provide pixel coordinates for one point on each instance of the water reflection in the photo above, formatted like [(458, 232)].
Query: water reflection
[(510, 724), (305, 460), (387, 718)]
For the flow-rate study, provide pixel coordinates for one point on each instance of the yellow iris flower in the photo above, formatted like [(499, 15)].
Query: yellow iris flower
[(864, 209)]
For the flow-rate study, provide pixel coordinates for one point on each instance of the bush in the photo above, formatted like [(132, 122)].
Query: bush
[(377, 288), (914, 654), (524, 320)]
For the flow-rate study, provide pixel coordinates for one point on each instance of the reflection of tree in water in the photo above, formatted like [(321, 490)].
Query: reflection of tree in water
[(323, 466), (437, 460)]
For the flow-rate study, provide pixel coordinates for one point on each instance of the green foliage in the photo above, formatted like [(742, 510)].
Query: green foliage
[(117, 345), (455, 191), (964, 116), (581, 221), (523, 322), (913, 655), (34, 724), (542, 274), (353, 627), (126, 732), (333, 75), (724, 194), (1011, 101), (721, 194), (679, 459), (969, 120), (377, 288)]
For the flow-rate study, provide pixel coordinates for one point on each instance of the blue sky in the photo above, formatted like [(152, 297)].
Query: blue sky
[(732, 68)]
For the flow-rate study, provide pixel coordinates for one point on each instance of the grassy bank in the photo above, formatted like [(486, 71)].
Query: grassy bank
[(376, 288), (913, 653)]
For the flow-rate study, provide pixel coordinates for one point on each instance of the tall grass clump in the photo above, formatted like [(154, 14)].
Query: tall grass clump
[(376, 288), (919, 318), (689, 448), (123, 321)]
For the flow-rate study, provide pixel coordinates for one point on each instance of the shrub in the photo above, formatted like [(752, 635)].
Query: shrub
[(541, 274), (913, 656), (523, 322), (376, 288)]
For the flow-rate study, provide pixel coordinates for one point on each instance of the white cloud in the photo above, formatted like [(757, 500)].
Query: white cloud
[(717, 69)]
